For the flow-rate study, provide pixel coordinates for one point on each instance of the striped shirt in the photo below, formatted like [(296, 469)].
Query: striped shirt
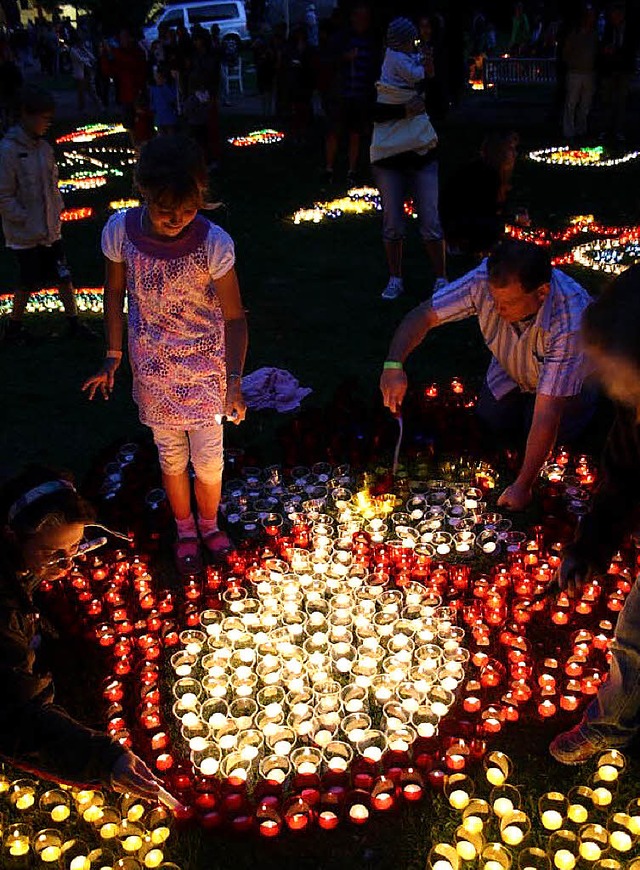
[(541, 355)]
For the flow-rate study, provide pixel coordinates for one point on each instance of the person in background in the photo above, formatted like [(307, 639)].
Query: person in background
[(610, 332), (520, 30), (30, 208), (358, 66), (264, 60), (529, 315), (82, 64), (402, 160), (579, 55), (617, 66), (300, 64), (311, 25), (129, 71), (203, 81), (472, 202), (435, 83), (187, 333), (162, 100), (103, 73), (10, 84), (42, 524)]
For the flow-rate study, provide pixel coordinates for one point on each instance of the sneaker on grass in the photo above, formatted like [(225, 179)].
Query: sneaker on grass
[(574, 746), (393, 289)]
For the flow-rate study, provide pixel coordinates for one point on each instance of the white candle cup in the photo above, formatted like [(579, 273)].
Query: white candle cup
[(394, 716), (354, 699), (275, 769), (193, 640), (425, 721), (56, 805), (563, 849), (206, 759), (243, 712), (47, 845), (183, 663), (282, 740), (215, 712), (354, 727), (22, 794), (306, 760), (250, 744), (236, 770), (372, 746), (401, 739)]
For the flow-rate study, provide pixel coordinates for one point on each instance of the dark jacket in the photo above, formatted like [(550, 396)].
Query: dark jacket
[(34, 732), (615, 506)]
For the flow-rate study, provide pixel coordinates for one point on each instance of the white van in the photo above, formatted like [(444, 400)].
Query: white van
[(230, 15)]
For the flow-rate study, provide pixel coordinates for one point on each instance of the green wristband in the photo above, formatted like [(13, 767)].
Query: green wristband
[(392, 364)]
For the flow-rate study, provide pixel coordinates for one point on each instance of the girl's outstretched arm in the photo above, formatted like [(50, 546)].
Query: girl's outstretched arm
[(235, 331), (114, 292)]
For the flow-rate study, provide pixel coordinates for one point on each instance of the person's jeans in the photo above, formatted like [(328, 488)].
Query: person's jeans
[(509, 418), (394, 186), (613, 717), (580, 90)]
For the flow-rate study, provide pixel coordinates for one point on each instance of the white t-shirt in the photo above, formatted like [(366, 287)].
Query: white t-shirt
[(401, 70), (219, 244)]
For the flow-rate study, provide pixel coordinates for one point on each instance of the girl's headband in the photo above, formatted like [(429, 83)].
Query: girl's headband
[(35, 494)]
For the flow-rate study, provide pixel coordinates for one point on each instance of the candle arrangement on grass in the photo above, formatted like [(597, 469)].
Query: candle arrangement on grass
[(597, 156), (91, 132), (257, 137), (88, 299), (565, 831), (358, 201), (78, 829)]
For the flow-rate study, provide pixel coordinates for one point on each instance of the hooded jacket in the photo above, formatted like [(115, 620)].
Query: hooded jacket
[(35, 734), (30, 202)]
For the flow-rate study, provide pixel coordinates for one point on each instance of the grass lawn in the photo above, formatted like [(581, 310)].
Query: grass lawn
[(314, 307)]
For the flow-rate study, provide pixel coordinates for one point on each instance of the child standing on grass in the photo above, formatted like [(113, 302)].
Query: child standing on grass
[(187, 332), (30, 207)]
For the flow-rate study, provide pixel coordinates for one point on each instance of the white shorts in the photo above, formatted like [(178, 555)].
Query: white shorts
[(202, 446)]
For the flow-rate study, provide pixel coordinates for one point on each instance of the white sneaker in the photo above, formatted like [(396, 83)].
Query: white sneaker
[(439, 284), (393, 289)]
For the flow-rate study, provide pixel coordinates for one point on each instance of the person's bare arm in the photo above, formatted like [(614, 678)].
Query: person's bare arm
[(542, 436), (115, 288), (411, 332), (236, 340)]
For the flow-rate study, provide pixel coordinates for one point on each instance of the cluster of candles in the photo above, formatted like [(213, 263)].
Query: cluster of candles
[(613, 249), (597, 156), (88, 299), (282, 689), (91, 167), (257, 137), (45, 825), (90, 132), (612, 256), (584, 827), (340, 664), (123, 204), (358, 201), (80, 213)]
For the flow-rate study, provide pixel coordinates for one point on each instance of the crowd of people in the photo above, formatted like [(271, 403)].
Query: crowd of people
[(187, 340)]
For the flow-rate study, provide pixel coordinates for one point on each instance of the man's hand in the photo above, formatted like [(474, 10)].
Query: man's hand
[(103, 381), (131, 774), (516, 497), (393, 385), (235, 409), (572, 574)]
